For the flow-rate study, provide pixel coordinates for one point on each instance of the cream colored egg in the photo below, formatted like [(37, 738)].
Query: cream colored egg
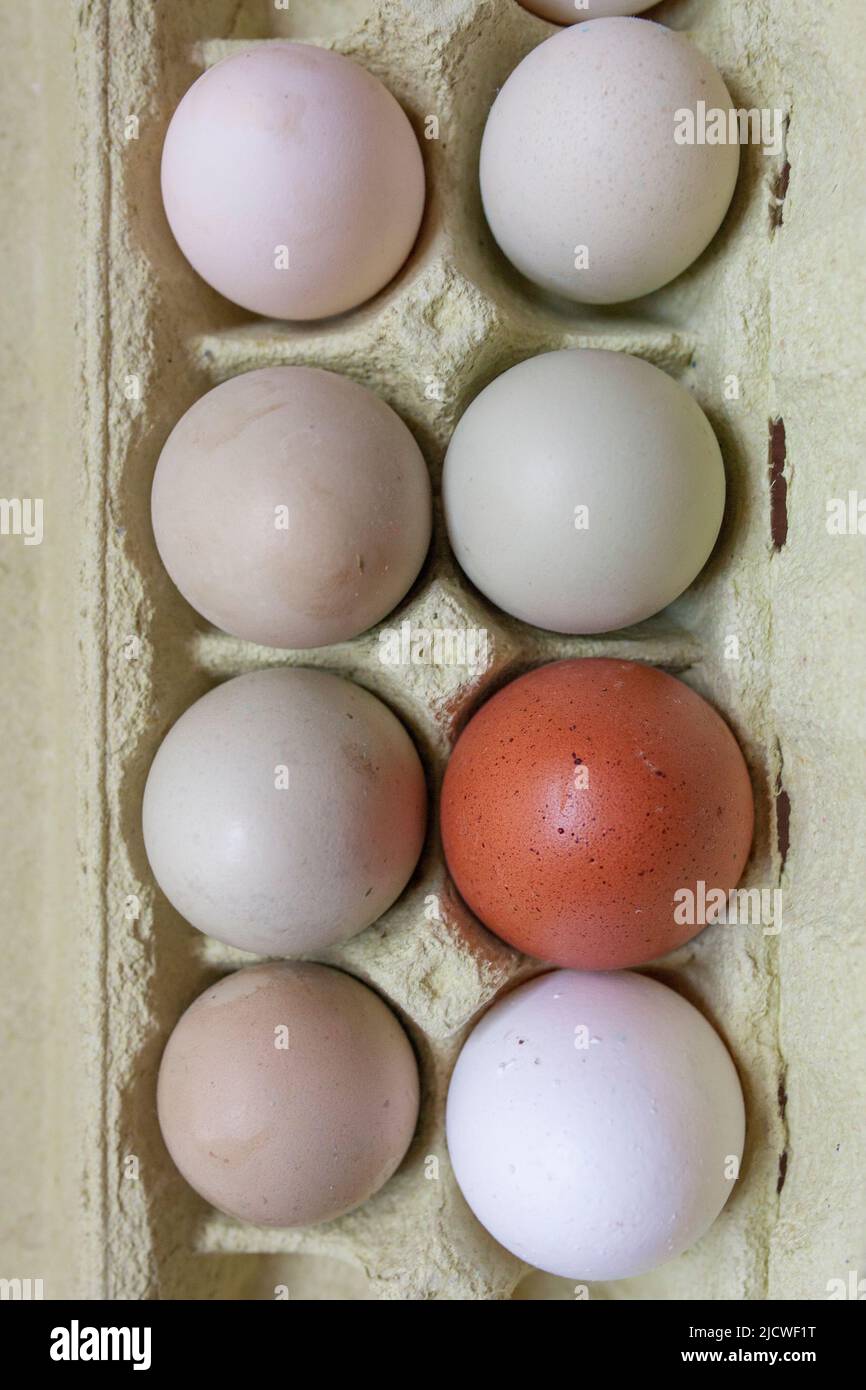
[(291, 507), (292, 181), (288, 1094), (583, 490), (586, 188), (284, 811), (574, 11)]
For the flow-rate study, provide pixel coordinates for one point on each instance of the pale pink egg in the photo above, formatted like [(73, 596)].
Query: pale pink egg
[(292, 181)]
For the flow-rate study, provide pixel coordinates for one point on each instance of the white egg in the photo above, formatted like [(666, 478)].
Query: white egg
[(583, 490), (585, 186), (595, 1124), (284, 811)]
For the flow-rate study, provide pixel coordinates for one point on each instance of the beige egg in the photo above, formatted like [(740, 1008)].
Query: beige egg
[(585, 186), (288, 1094), (575, 11), (583, 490), (284, 811), (292, 181), (291, 507)]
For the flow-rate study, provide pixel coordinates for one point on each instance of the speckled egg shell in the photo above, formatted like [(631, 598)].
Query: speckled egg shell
[(585, 875), (288, 1094), (584, 184)]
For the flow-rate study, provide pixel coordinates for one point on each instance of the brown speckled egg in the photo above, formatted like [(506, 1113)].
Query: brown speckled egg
[(288, 1094), (581, 798)]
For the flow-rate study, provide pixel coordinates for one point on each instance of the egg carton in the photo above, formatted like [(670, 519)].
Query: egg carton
[(749, 331)]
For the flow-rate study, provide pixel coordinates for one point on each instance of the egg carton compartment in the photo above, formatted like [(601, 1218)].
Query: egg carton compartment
[(154, 338)]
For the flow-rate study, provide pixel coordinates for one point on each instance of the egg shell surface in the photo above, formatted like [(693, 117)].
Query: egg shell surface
[(287, 1094), (583, 490), (581, 799), (291, 507), (284, 811), (584, 184), (575, 11), (292, 181), (595, 1124)]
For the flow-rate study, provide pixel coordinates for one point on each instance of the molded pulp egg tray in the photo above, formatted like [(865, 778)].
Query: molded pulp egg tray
[(761, 332)]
